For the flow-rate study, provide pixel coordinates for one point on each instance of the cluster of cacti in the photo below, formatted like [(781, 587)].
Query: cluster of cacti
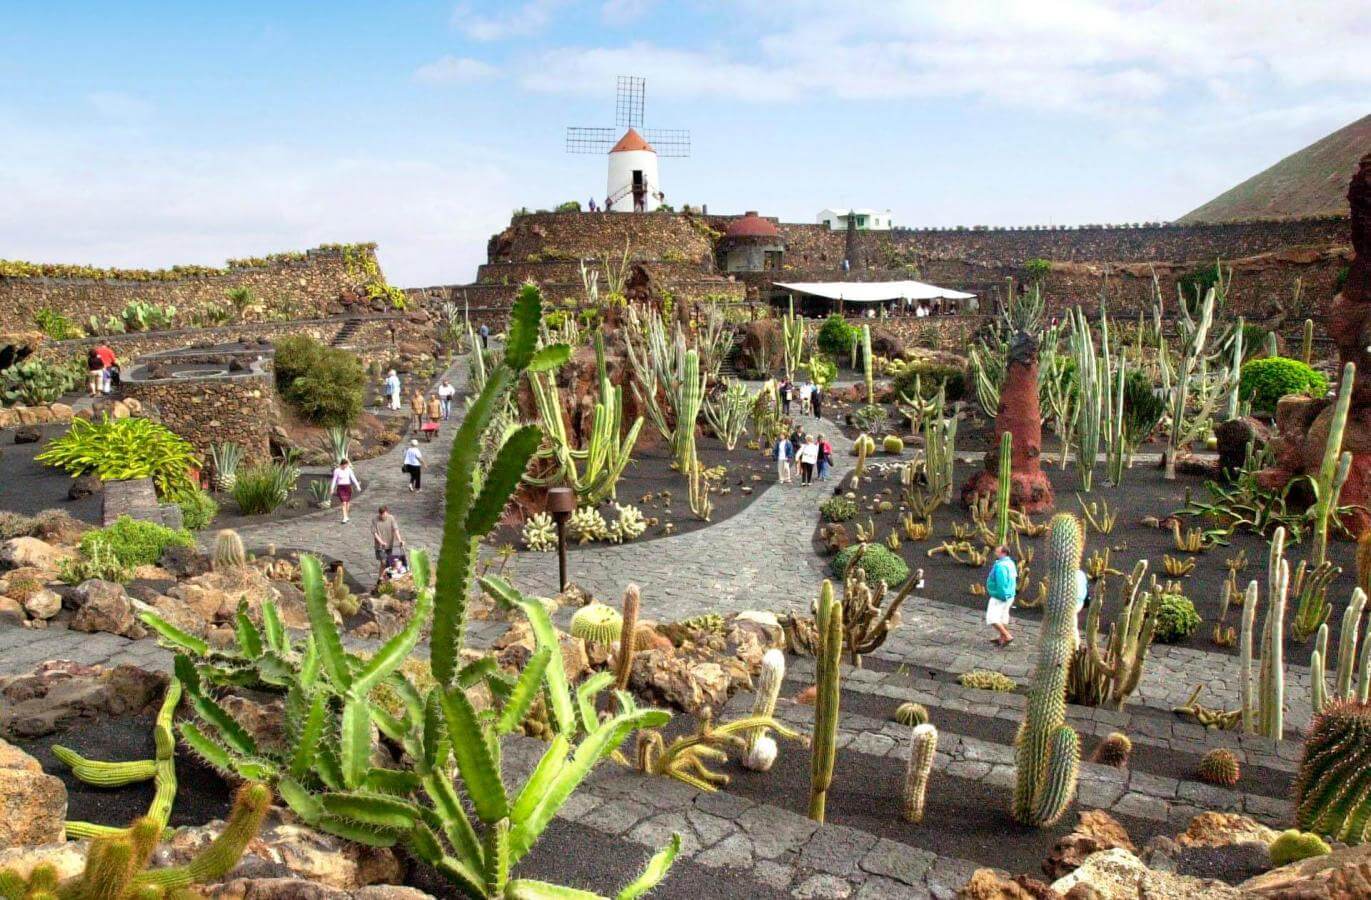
[(697, 487), (587, 524), (1313, 608), (228, 554), (688, 758), (1208, 716), (665, 368), (1093, 386), (1115, 750), (1220, 766), (1331, 796), (792, 340), (596, 623), (340, 598), (1352, 679), (629, 524), (1309, 591), (987, 680), (1190, 370), (824, 744), (728, 412), (923, 746), (915, 531), (1293, 845), (540, 533), (1176, 567), (1191, 540), (1047, 751), (1098, 516), (761, 748), (1263, 704), (911, 714), (940, 453), (117, 862), (915, 408), (440, 793), (1107, 678)]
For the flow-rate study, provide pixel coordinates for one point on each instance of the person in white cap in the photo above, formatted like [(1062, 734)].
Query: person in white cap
[(414, 465)]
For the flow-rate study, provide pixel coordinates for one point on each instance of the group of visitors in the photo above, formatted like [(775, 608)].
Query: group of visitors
[(807, 396), (385, 530), (805, 457), (102, 370), (1001, 587)]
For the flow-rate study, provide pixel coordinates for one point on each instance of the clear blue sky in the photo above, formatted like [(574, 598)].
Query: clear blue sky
[(149, 133)]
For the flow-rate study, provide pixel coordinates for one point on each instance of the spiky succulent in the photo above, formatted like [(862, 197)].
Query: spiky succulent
[(1331, 794), (1293, 845), (540, 533), (587, 524), (228, 551), (1219, 766), (987, 680), (911, 714), (1114, 750), (597, 623), (629, 523)]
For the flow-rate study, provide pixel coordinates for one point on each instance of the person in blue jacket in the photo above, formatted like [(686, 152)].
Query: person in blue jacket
[(784, 454), (1000, 587)]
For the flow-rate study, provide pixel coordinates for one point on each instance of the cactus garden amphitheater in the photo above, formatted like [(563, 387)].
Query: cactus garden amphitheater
[(683, 553)]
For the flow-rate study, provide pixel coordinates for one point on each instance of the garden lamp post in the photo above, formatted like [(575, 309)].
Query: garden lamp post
[(561, 502)]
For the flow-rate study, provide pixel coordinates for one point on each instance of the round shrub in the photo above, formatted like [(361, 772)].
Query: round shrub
[(836, 337), (135, 542), (1266, 380), (323, 384), (892, 444), (931, 376), (879, 563), (1176, 618), (838, 509), (198, 510)]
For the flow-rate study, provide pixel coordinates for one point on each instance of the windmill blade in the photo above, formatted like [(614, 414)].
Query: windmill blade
[(590, 140), (668, 141), (628, 101)]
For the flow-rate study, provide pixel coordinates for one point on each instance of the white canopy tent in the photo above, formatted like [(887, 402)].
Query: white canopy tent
[(874, 291)]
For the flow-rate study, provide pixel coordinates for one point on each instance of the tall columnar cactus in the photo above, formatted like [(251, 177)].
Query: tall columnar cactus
[(1264, 712), (688, 401), (1234, 406), (922, 748), (623, 663), (228, 552), (1307, 343), (764, 706), (867, 365), (824, 746), (1003, 487), (1047, 754), (1350, 666), (792, 339), (1332, 794), (1333, 469), (1108, 678), (940, 452)]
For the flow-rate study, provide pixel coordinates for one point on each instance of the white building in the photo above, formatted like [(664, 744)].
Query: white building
[(633, 181), (867, 219)]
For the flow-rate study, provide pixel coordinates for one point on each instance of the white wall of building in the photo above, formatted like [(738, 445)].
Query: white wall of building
[(622, 165), (867, 219)]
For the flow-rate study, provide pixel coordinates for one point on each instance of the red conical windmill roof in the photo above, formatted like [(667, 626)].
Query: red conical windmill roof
[(632, 140)]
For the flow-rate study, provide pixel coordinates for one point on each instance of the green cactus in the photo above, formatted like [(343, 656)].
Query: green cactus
[(764, 706), (911, 714), (792, 339), (867, 365), (1047, 754), (1332, 470), (1332, 796), (823, 752), (1263, 707), (940, 453), (688, 401), (628, 633), (922, 748), (1114, 750), (1003, 488), (987, 680), (1109, 678), (597, 623), (1293, 845), (228, 554), (1220, 766), (1307, 343), (1350, 667)]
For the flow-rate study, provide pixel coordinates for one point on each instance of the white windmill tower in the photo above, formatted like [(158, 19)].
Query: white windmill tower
[(634, 183)]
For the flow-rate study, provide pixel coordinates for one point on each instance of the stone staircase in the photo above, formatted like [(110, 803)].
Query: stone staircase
[(346, 333)]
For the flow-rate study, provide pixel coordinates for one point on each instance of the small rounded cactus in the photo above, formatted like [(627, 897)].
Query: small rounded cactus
[(597, 623), (540, 533), (892, 444), (864, 445), (762, 755), (1294, 845), (1220, 766), (911, 714), (1114, 750), (987, 680), (228, 551)]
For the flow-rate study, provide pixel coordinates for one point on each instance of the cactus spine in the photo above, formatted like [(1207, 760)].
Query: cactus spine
[(1333, 469), (1332, 796), (764, 706), (1047, 754), (1307, 343), (824, 749), (867, 364), (1003, 488), (623, 664), (923, 745)]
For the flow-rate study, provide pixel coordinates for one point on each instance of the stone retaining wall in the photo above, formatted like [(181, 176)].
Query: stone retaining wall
[(209, 410)]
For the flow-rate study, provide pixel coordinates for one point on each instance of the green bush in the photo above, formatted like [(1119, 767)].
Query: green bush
[(324, 385), (97, 560), (259, 489), (198, 510), (838, 509), (36, 381), (879, 563), (56, 325), (821, 370), (836, 337), (1176, 618), (569, 206), (870, 417), (118, 449), (931, 376), (1265, 381), (1142, 408), (134, 542)]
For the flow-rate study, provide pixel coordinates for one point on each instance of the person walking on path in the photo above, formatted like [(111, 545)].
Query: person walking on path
[(385, 532), (435, 409), (414, 465), (806, 390), (95, 373), (1000, 587), (392, 389), (484, 331), (416, 409), (784, 453), (445, 394), (344, 481), (1082, 600), (796, 441), (809, 456), (816, 401), (825, 458), (785, 396)]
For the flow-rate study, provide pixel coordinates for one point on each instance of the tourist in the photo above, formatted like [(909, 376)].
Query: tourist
[(484, 332), (1000, 586), (95, 372), (785, 396), (806, 390), (809, 456), (783, 454), (435, 410), (414, 465), (445, 394), (416, 409), (106, 354), (796, 442), (1082, 599), (816, 401), (392, 389), (344, 480), (825, 458), (385, 531)]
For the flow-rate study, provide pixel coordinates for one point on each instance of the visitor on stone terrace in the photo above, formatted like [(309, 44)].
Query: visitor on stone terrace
[(344, 480), (1000, 586), (392, 389)]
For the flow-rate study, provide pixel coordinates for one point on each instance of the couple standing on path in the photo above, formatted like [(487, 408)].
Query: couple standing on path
[(808, 395), (803, 457), (1001, 587)]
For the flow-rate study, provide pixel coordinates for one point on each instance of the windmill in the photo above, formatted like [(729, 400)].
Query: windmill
[(634, 185)]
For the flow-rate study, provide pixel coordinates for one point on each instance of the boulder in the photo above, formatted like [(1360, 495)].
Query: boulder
[(515, 646), (184, 562), (84, 486), (1234, 437), (106, 608), (32, 552), (43, 604), (1344, 874), (33, 805), (67, 858), (300, 889), (988, 884), (1119, 875), (12, 611), (27, 434), (1218, 829), (1097, 831), (59, 692)]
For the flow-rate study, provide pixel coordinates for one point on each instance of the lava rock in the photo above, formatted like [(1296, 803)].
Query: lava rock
[(27, 435), (85, 486)]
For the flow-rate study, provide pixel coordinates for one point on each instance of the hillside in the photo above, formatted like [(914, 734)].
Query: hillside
[(1309, 182)]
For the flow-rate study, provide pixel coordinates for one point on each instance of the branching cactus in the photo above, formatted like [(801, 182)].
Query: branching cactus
[(793, 339), (764, 705), (1108, 678), (824, 749), (922, 748), (1047, 754)]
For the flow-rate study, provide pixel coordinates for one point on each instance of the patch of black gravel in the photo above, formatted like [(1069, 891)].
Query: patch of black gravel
[(28, 487)]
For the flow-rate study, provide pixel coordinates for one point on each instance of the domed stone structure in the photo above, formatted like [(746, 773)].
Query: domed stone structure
[(751, 244)]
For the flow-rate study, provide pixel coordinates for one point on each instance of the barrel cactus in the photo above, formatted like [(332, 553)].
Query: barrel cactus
[(922, 748), (1294, 845), (1220, 766), (1047, 753), (986, 680), (1331, 793), (892, 443), (1114, 750), (911, 714), (597, 623)]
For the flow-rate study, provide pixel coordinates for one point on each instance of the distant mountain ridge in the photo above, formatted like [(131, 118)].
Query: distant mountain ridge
[(1309, 182)]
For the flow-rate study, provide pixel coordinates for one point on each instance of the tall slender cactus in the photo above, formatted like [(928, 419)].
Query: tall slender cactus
[(867, 365), (923, 745), (1334, 467), (1003, 487), (824, 747)]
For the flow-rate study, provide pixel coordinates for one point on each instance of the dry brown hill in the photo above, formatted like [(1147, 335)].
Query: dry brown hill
[(1309, 182)]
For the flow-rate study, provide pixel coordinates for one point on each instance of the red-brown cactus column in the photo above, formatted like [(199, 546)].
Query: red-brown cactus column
[(1018, 414), (1302, 423)]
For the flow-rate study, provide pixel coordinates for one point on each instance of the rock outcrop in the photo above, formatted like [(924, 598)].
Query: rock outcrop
[(33, 805)]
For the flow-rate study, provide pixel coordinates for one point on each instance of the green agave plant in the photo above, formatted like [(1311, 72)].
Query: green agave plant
[(325, 769), (116, 449)]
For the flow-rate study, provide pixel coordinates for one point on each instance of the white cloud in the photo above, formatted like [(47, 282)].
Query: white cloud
[(519, 20), (454, 70), (119, 106)]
